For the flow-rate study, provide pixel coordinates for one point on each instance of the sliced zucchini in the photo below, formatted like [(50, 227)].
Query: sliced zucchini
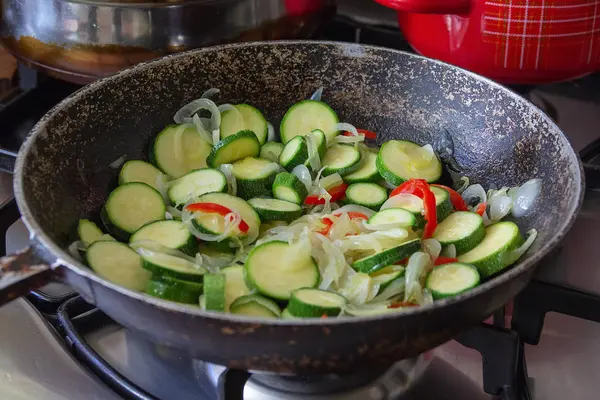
[(161, 264), (256, 306), (249, 118), (341, 158), (89, 233), (294, 153), (448, 280), (306, 116), (235, 284), (271, 151), (117, 263), (173, 289), (367, 171), (289, 187), (393, 216), (369, 195), (214, 292), (380, 260), (463, 229), (307, 303), (285, 314), (488, 256), (385, 276), (254, 177), (195, 184), (267, 271), (275, 210), (140, 171), (129, 207), (172, 234), (235, 147), (401, 160), (177, 157), (442, 205)]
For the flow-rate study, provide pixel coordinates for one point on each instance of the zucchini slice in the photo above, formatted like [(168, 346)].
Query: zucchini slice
[(275, 210), (340, 158), (251, 119), (306, 116), (214, 292), (463, 229), (448, 280), (276, 269), (90, 233), (307, 303), (235, 284), (118, 263), (295, 152), (195, 184), (169, 233), (256, 306), (235, 147), (385, 276), (271, 151), (254, 177), (140, 171), (380, 260), (488, 256), (131, 206), (369, 195), (173, 289), (289, 187), (367, 172), (285, 314), (401, 160), (161, 264), (214, 223), (178, 157), (393, 216)]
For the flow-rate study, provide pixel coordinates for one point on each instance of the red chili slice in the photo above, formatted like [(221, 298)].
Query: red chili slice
[(368, 134), (402, 304), (481, 208), (445, 260), (214, 208), (337, 193), (455, 198), (420, 188)]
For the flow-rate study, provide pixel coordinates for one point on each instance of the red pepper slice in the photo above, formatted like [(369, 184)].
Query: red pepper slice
[(402, 304), (420, 188), (337, 193), (215, 208), (445, 260), (481, 208), (368, 134), (455, 198)]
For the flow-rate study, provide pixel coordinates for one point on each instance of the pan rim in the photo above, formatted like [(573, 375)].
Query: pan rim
[(63, 258)]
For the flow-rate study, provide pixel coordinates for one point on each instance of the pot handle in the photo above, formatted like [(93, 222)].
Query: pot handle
[(429, 6), (21, 273)]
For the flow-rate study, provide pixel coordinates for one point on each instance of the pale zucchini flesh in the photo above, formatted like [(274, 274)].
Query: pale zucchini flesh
[(247, 118), (191, 155), (118, 263)]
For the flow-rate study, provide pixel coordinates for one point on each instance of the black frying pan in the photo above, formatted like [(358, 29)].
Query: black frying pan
[(62, 173)]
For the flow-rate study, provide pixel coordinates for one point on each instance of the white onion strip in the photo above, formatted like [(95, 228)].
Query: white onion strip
[(185, 115), (343, 126), (474, 193), (227, 169), (204, 134), (302, 172), (317, 94), (118, 162), (210, 93), (525, 196), (270, 132), (514, 255)]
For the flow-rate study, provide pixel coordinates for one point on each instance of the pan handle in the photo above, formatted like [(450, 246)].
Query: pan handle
[(22, 272)]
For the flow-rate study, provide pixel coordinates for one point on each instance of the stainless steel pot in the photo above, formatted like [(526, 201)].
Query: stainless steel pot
[(83, 40)]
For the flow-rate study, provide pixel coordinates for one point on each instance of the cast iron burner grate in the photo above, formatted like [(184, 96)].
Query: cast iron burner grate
[(500, 348)]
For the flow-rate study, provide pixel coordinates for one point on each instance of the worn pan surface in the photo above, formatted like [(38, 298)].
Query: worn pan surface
[(62, 174)]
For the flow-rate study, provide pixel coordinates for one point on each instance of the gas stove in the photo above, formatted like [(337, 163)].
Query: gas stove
[(56, 346)]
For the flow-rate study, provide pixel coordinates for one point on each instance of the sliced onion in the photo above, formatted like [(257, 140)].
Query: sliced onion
[(390, 185), (330, 181), (162, 187), (204, 134), (354, 208), (156, 247), (342, 126), (118, 162), (313, 153), (210, 93), (349, 139), (302, 172), (227, 169), (270, 132), (499, 206), (317, 94), (168, 216), (359, 289), (174, 212), (74, 249), (427, 297), (414, 293), (185, 114), (465, 184), (433, 248), (230, 107), (474, 194), (394, 289), (419, 265), (427, 152), (513, 256), (449, 251), (402, 199), (331, 261), (525, 196)]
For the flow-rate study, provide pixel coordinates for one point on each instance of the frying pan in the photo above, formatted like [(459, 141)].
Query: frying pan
[(62, 174)]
